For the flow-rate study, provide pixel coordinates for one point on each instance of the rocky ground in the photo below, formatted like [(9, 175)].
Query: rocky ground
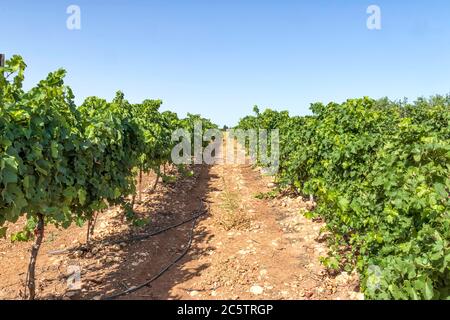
[(242, 248)]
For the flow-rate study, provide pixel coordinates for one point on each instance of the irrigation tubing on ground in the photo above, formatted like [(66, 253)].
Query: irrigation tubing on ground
[(145, 235), (149, 235), (165, 269)]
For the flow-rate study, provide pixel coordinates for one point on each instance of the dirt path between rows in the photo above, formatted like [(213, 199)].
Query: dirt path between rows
[(242, 248), (250, 249)]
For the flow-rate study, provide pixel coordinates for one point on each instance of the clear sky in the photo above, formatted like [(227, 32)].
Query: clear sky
[(219, 58)]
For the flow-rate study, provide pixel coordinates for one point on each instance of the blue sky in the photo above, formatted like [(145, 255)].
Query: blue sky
[(219, 58)]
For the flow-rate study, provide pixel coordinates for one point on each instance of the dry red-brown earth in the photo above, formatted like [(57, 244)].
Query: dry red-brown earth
[(242, 247)]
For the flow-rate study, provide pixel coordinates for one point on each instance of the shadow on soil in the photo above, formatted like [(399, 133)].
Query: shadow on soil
[(142, 260)]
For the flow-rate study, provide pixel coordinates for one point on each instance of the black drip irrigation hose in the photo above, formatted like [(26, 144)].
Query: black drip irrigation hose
[(140, 237), (149, 235), (166, 268)]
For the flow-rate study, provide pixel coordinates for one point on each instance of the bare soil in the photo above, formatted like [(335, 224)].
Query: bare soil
[(242, 248)]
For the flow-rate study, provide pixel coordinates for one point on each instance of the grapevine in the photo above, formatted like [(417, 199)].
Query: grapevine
[(380, 172), (61, 164)]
